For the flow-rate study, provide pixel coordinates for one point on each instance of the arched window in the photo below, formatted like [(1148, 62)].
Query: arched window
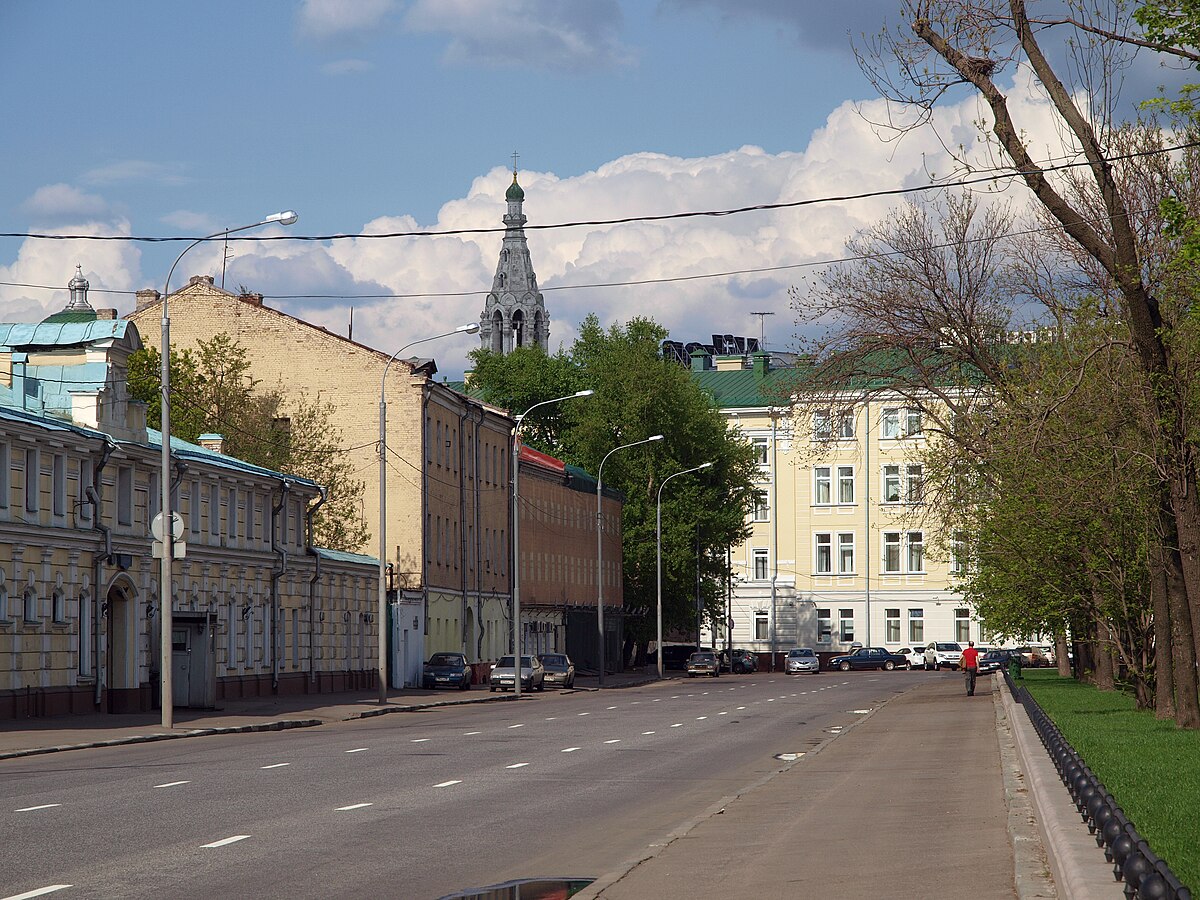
[(30, 604), (5, 612), (58, 605), (518, 320), (497, 332)]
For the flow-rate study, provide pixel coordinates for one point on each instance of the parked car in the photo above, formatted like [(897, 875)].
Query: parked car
[(939, 654), (559, 669), (868, 658), (675, 656), (703, 662), (801, 659), (739, 662), (1032, 657), (533, 675), (993, 661), (914, 655), (446, 670)]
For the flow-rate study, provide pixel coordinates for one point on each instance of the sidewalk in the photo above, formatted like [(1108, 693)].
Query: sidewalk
[(27, 737), (926, 796)]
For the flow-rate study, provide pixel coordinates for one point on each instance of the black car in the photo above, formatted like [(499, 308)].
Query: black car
[(994, 660), (869, 658), (739, 662), (447, 670)]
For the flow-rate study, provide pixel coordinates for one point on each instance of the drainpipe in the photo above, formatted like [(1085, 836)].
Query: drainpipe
[(312, 586), (285, 488), (93, 495), (774, 531), (478, 548), (462, 525)]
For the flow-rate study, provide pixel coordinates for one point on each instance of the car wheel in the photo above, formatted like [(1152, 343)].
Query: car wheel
[(889, 665), (541, 686), (845, 667), (491, 689), (466, 685)]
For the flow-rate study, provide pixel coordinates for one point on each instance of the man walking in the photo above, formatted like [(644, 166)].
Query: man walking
[(970, 666)]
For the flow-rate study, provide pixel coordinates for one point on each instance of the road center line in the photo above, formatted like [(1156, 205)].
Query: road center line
[(48, 889), (585, 714), (722, 714), (551, 718), (449, 783), (516, 765), (353, 806), (469, 733), (172, 784), (647, 732), (701, 718), (741, 707), (224, 841), (358, 749), (613, 741), (570, 749), (520, 725), (32, 808), (274, 766), (677, 725), (418, 740)]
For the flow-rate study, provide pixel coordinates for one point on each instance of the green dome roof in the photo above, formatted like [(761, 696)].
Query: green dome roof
[(514, 191)]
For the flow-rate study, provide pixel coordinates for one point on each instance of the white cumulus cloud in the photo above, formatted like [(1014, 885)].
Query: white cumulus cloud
[(324, 19), (56, 202)]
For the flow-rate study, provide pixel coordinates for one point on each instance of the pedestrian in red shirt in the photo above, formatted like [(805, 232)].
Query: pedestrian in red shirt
[(970, 666)]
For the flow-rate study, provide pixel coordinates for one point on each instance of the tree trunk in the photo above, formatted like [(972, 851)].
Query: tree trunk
[(1105, 679), (1164, 680), (1183, 649), (1062, 654)]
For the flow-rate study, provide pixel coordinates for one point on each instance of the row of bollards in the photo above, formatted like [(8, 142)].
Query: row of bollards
[(1146, 876)]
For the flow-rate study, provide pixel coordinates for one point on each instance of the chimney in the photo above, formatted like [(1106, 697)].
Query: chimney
[(761, 363), (701, 361), (106, 313), (200, 279), (213, 442), (146, 297), (252, 299)]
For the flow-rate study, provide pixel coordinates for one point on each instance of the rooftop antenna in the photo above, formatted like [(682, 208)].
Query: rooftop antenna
[(350, 330), (762, 333), (225, 257)]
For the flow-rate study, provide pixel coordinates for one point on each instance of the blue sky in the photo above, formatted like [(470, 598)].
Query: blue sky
[(182, 118)]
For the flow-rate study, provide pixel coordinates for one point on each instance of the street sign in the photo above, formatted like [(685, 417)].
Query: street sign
[(156, 526)]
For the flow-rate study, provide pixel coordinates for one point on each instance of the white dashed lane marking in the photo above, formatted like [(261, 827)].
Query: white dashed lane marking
[(516, 766), (647, 732), (39, 892), (275, 766), (225, 841), (418, 740), (613, 741), (585, 714), (469, 733), (352, 806), (33, 808), (448, 783), (677, 725), (520, 725), (610, 707), (701, 718), (570, 749), (358, 749), (172, 784)]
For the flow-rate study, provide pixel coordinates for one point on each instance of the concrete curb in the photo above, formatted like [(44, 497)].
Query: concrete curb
[(597, 888), (1077, 864)]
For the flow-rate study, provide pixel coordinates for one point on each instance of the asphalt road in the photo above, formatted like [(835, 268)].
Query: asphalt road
[(411, 805)]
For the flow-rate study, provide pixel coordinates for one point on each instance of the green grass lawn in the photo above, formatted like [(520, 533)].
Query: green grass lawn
[(1151, 768)]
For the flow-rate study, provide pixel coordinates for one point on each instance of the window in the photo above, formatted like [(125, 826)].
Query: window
[(889, 428), (822, 425), (824, 626), (760, 451), (846, 626), (891, 552), (891, 484), (912, 423), (85, 633), (958, 553), (761, 509), (6, 614), (32, 476), (194, 508), (761, 565), (58, 605), (914, 482), (85, 482), (5, 470), (846, 553), (761, 628), (845, 484), (214, 509), (125, 495), (891, 619), (846, 425), (29, 605), (232, 516), (824, 558), (916, 551), (822, 486), (962, 625), (916, 626), (59, 484)]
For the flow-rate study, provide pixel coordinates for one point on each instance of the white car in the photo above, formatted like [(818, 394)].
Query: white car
[(943, 654), (914, 655), (802, 659)]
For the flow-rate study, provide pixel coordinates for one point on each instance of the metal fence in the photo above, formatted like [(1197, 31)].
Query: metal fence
[(1146, 876)]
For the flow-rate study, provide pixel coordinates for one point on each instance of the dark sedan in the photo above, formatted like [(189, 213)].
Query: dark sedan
[(559, 669), (869, 658), (995, 660), (447, 670)]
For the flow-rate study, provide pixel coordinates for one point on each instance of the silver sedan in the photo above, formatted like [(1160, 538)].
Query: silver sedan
[(802, 659), (533, 676)]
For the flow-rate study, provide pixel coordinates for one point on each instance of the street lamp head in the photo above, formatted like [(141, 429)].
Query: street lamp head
[(586, 393), (703, 466), (655, 437), (287, 217), (469, 328)]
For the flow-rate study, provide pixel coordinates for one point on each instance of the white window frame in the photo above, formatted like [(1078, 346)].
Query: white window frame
[(846, 625), (846, 425), (914, 483), (958, 553), (761, 561), (892, 484), (845, 553), (29, 605), (762, 451), (916, 625), (822, 425), (762, 509), (915, 552), (194, 508), (893, 558), (824, 626), (962, 624), (889, 423), (231, 518), (845, 485), (913, 426), (891, 623), (823, 553), (762, 626), (822, 485)]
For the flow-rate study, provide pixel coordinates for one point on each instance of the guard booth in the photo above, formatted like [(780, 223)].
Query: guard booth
[(193, 660)]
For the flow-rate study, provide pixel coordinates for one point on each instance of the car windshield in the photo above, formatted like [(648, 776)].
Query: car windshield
[(445, 659), (701, 657), (946, 648), (554, 660), (800, 652), (505, 662)]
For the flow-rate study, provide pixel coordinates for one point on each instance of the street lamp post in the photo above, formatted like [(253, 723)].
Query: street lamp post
[(600, 544), (516, 533), (658, 546), (166, 691), (382, 613)]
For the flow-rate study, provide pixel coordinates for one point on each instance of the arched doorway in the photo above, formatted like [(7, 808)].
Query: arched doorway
[(120, 645)]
